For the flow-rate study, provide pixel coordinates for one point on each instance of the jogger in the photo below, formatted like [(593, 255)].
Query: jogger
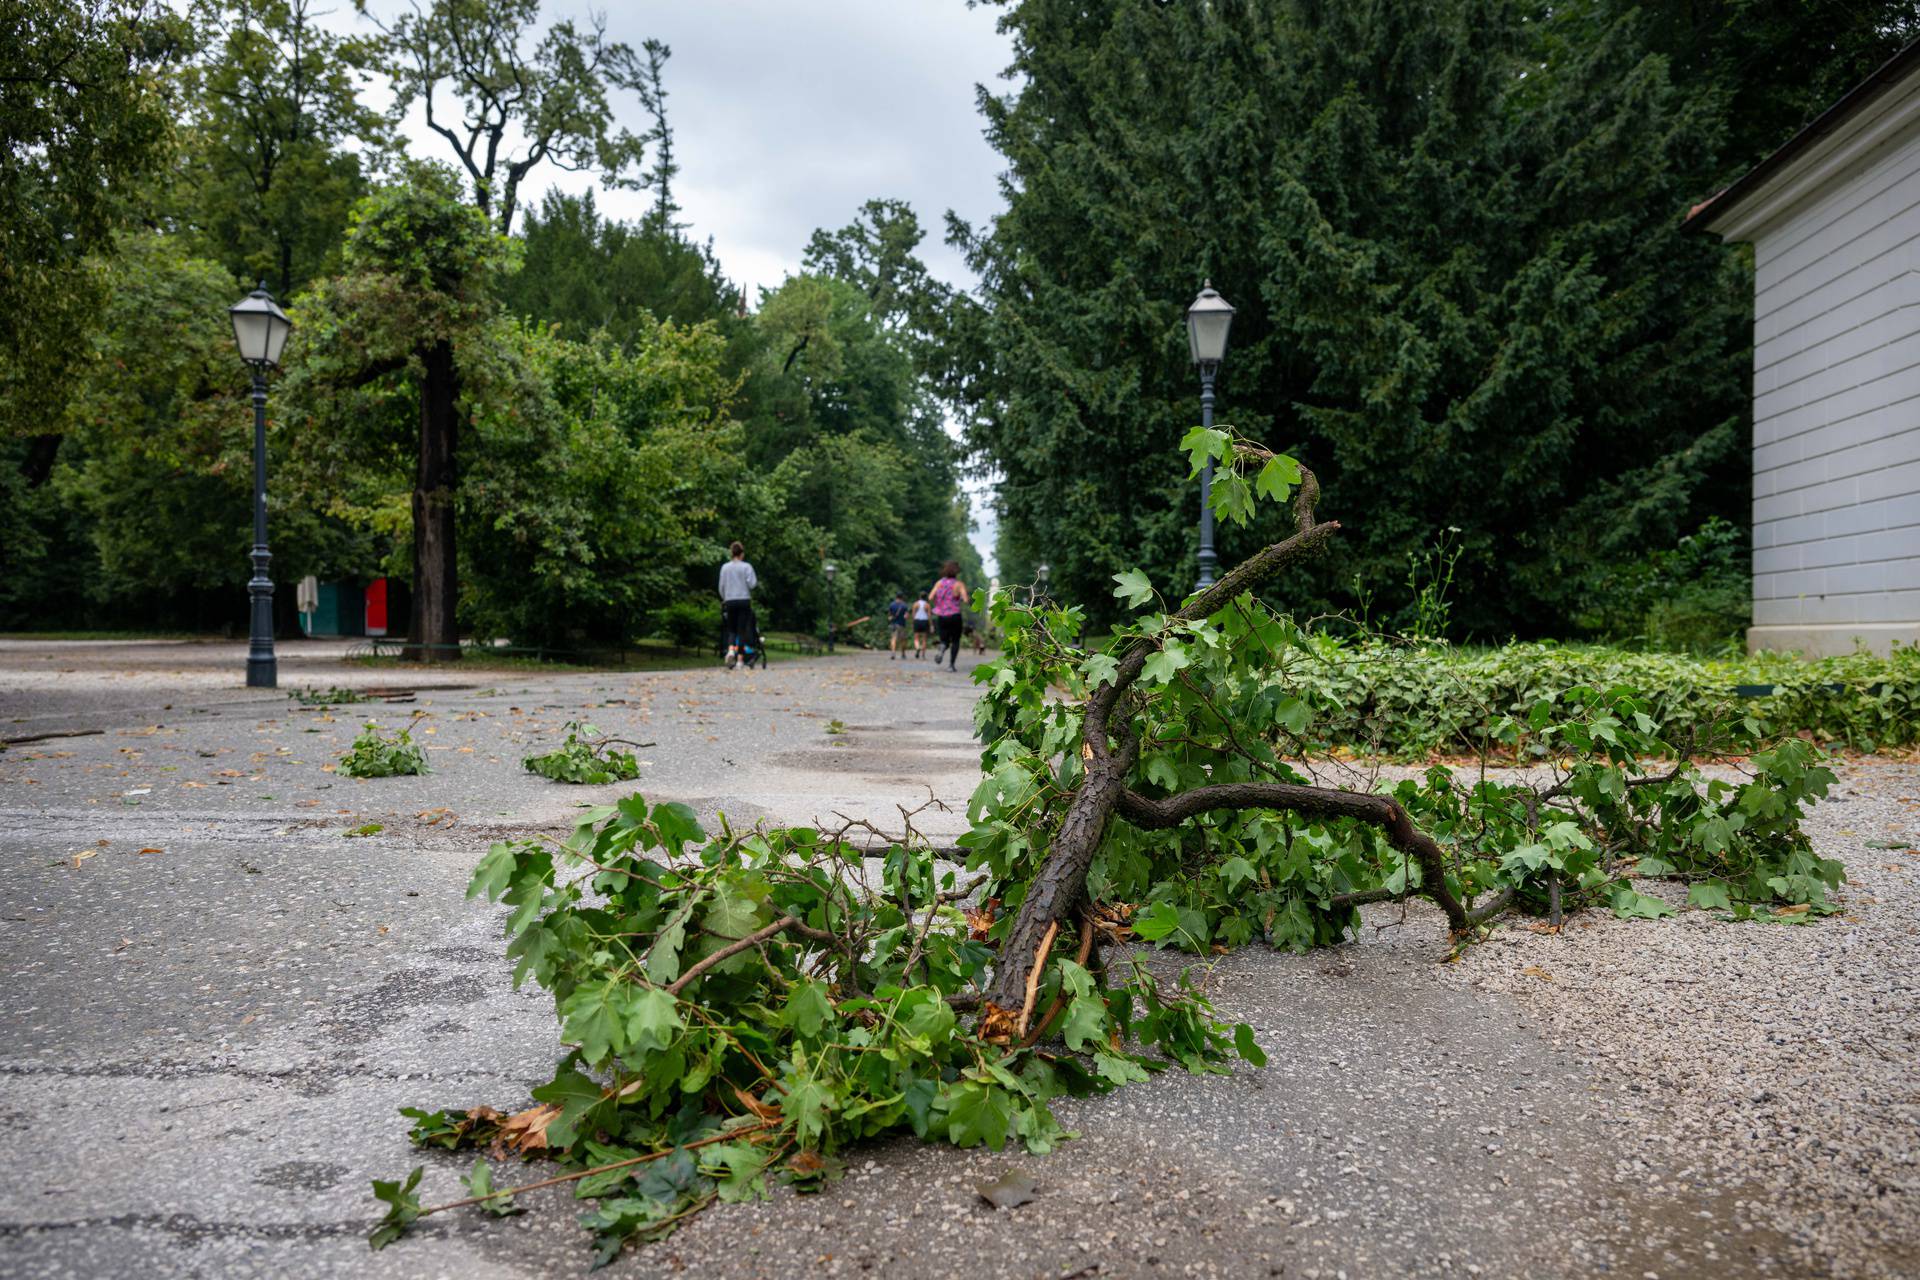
[(949, 600)]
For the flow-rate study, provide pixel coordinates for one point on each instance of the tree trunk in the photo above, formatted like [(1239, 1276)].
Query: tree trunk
[(432, 630)]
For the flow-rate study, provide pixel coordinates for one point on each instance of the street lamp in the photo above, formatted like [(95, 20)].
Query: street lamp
[(1208, 320), (831, 570), (1040, 572), (260, 330)]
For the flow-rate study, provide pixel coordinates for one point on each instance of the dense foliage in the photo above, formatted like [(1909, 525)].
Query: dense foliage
[(558, 455), (1452, 229), (1412, 699), (743, 1006)]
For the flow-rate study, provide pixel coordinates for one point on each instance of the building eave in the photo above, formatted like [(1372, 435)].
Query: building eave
[(1732, 212)]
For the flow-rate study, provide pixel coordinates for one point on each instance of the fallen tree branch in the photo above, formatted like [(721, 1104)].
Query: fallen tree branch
[(1061, 881), (1320, 802), (504, 1192)]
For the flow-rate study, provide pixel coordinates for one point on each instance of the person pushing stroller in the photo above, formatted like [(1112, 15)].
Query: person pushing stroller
[(737, 582)]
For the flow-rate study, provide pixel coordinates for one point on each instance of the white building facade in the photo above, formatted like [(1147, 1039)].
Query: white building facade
[(1834, 221)]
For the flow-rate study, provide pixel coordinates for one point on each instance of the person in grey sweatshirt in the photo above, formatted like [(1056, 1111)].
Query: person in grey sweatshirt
[(736, 601)]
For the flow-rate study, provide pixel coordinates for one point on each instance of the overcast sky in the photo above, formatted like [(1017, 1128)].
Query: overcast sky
[(787, 115)]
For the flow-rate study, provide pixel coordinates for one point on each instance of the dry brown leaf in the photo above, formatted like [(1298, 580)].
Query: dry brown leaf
[(525, 1131), (1797, 909), (806, 1163), (763, 1110), (228, 773), (980, 919), (1535, 971), (152, 849)]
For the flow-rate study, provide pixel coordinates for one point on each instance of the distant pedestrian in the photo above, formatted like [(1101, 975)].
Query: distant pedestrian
[(922, 624), (737, 582), (949, 599), (896, 624)]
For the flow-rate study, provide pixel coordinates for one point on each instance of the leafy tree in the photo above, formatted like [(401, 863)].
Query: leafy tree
[(834, 404), (586, 272), (147, 513), (270, 108), (521, 99), (877, 254), (608, 489), (394, 356), (83, 120)]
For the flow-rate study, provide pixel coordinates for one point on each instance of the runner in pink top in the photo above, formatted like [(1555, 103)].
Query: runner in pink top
[(949, 599)]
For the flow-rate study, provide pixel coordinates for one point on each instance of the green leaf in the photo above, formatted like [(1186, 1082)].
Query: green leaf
[(1133, 587), (677, 826), (1202, 443), (1119, 1069), (1710, 895), (978, 1113), (1156, 923), (579, 1098), (808, 1009), (1163, 664), (1277, 479), (1246, 1046), (403, 1204), (480, 1183), (495, 872), (1099, 669), (1237, 871), (653, 1020), (593, 1017), (1086, 1023)]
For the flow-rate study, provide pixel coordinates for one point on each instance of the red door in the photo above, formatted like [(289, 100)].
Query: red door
[(377, 607)]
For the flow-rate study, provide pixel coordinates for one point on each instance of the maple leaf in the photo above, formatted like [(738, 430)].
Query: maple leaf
[(980, 919), (526, 1131)]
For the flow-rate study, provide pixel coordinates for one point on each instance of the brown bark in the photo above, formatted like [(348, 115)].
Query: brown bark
[(1057, 890), (1317, 802), (433, 631)]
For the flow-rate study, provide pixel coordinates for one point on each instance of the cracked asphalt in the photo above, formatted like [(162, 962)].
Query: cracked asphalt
[(217, 999)]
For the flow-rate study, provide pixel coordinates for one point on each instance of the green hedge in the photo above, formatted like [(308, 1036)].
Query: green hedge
[(1419, 699)]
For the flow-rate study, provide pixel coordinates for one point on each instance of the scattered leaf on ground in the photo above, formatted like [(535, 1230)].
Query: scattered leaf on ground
[(1008, 1191)]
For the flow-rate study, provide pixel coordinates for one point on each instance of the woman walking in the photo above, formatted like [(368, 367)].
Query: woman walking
[(949, 600)]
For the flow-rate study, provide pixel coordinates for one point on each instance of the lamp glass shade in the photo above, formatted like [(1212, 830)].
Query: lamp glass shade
[(260, 328), (1208, 320), (1043, 568), (832, 569)]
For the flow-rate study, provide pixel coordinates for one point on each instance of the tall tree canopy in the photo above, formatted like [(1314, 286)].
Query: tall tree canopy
[(274, 141), (84, 120), (521, 98), (1451, 228)]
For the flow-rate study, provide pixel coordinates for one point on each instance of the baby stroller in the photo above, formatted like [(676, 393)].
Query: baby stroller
[(752, 652)]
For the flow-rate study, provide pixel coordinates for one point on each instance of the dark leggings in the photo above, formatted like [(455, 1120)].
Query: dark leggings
[(736, 618), (949, 624)]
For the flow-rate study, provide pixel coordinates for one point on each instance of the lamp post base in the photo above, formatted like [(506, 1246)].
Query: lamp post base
[(262, 673)]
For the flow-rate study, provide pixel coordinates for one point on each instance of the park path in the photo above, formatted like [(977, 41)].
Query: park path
[(217, 1003)]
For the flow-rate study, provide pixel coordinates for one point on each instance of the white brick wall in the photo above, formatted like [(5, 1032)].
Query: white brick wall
[(1836, 413)]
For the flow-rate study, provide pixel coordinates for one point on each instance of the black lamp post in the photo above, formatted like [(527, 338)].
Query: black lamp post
[(831, 570), (1208, 320), (260, 330)]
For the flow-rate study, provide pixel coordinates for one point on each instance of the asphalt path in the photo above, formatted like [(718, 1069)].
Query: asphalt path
[(217, 999)]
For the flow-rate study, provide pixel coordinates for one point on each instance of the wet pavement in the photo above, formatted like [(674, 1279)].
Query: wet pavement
[(217, 1000)]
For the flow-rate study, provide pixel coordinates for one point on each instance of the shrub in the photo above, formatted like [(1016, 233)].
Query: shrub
[(690, 624)]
